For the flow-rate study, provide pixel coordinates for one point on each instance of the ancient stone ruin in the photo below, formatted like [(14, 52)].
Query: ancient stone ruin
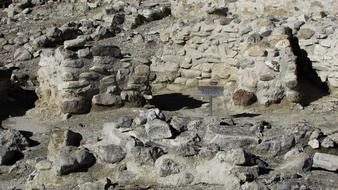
[(75, 77), (104, 94)]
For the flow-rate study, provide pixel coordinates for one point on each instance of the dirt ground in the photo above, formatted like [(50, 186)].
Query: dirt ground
[(321, 114)]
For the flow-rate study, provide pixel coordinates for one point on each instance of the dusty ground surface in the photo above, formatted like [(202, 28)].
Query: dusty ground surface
[(321, 114)]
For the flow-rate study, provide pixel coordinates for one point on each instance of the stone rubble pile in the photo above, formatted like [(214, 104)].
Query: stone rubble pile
[(151, 149), (114, 17)]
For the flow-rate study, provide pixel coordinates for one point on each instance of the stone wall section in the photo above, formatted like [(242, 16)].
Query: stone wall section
[(233, 54), (72, 80), (253, 48)]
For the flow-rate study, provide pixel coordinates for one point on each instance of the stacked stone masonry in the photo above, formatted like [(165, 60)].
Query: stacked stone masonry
[(71, 80), (237, 57), (250, 47)]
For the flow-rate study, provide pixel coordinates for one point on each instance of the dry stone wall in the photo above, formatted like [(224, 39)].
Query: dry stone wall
[(319, 40), (253, 48), (71, 80), (246, 61)]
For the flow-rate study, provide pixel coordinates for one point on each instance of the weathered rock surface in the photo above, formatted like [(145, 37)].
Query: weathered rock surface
[(110, 153), (158, 129), (59, 138), (325, 161), (12, 142), (71, 84), (70, 159)]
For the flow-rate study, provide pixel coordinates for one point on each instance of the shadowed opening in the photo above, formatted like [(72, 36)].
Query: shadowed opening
[(309, 83), (175, 101)]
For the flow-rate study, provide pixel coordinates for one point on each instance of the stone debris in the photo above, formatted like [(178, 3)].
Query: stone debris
[(325, 161), (59, 138), (94, 56), (110, 153), (69, 159), (12, 142)]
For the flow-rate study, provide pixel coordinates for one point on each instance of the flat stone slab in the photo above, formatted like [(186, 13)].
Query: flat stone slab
[(325, 161), (230, 136)]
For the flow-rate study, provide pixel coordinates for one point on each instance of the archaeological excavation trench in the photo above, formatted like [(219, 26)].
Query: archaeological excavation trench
[(106, 94)]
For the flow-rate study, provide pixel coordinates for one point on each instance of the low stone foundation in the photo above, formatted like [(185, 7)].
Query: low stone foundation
[(237, 56), (74, 79)]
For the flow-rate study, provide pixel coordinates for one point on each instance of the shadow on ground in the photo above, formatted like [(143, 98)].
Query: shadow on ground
[(310, 85), (175, 102), (21, 101)]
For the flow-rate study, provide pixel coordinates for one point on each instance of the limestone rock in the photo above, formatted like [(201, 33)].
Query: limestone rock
[(334, 137), (110, 153), (124, 122), (325, 161), (167, 167), (59, 138), (75, 105), (97, 185), (277, 144), (315, 134), (22, 54), (158, 129), (107, 99), (305, 33), (314, 143), (71, 159), (235, 156), (244, 98), (76, 43), (43, 165), (179, 123), (256, 51), (327, 142)]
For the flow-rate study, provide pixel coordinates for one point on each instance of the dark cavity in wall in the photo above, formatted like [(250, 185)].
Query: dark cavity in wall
[(310, 85)]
